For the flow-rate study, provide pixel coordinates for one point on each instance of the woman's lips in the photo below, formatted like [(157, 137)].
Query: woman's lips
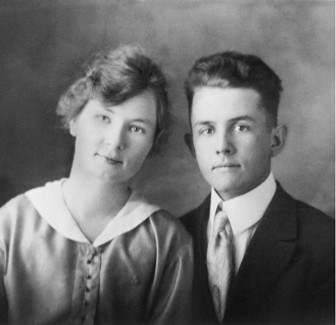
[(110, 160)]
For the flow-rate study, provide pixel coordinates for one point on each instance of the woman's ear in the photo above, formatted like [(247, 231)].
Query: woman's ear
[(188, 139), (279, 136), (73, 127)]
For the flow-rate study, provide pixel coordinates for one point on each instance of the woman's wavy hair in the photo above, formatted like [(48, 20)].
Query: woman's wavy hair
[(114, 76)]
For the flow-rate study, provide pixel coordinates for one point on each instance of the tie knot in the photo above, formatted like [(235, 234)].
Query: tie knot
[(221, 219)]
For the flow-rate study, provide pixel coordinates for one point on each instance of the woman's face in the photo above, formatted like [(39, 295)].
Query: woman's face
[(112, 142)]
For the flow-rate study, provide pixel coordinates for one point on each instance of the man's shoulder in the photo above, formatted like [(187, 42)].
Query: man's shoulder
[(313, 221), (308, 210), (189, 220), (303, 210), (193, 218), (312, 224), (190, 217)]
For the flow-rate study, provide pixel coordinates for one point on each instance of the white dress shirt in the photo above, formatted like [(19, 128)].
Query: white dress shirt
[(244, 213)]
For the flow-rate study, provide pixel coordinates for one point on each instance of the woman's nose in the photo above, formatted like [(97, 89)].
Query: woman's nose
[(116, 137)]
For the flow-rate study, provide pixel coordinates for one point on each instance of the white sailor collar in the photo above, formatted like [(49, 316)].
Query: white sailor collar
[(48, 201)]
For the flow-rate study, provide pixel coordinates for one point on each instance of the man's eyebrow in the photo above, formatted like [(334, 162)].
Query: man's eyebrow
[(233, 120), (242, 118)]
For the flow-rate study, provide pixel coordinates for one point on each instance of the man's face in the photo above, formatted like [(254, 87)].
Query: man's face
[(233, 143)]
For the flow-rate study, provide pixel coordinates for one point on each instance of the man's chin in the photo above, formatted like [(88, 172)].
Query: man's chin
[(226, 190)]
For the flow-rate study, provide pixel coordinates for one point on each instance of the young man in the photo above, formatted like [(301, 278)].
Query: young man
[(261, 257)]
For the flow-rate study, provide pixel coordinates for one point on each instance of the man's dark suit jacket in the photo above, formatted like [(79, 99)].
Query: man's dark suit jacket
[(287, 275)]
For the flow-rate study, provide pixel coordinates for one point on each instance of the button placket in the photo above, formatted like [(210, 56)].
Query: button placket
[(93, 262)]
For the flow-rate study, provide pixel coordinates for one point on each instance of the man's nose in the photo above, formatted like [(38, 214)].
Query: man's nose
[(115, 137), (224, 143)]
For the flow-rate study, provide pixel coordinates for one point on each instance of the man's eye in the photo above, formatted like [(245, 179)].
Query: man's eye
[(241, 128), (136, 129), (207, 131)]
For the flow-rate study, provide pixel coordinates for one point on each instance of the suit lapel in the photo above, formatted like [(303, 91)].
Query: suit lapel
[(270, 251)]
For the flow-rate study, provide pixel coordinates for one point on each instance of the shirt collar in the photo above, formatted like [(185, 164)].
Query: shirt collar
[(48, 201), (245, 210)]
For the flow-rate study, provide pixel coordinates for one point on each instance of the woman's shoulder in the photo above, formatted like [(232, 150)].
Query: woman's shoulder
[(16, 205), (168, 226), (19, 208), (165, 217), (15, 215)]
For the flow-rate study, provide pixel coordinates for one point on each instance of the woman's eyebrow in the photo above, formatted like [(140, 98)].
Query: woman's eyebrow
[(139, 119), (107, 108), (144, 121), (203, 123)]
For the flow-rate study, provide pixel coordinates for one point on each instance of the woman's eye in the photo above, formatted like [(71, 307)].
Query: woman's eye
[(207, 131), (136, 129), (104, 118)]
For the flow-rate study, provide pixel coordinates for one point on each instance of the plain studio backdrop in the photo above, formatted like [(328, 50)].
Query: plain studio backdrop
[(44, 43)]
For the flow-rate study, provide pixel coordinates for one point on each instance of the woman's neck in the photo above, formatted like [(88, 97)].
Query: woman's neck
[(93, 198)]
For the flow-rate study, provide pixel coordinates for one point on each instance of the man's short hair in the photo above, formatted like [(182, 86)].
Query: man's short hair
[(236, 70), (114, 76)]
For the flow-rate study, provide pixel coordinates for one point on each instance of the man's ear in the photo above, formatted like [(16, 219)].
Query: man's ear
[(279, 136), (188, 139)]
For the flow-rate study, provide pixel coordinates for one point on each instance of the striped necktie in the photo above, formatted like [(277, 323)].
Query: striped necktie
[(220, 261)]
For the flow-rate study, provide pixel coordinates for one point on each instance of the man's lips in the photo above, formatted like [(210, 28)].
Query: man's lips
[(110, 160), (225, 165)]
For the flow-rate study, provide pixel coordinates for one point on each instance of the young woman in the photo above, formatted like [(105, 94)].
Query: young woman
[(89, 249)]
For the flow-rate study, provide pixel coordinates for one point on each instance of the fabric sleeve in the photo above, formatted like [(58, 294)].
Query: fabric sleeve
[(321, 309), (3, 298), (173, 300)]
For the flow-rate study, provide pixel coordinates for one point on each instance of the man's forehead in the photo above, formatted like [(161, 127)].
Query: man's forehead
[(221, 106), (218, 99), (233, 92)]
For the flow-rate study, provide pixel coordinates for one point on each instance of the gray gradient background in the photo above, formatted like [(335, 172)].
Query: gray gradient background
[(43, 44)]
